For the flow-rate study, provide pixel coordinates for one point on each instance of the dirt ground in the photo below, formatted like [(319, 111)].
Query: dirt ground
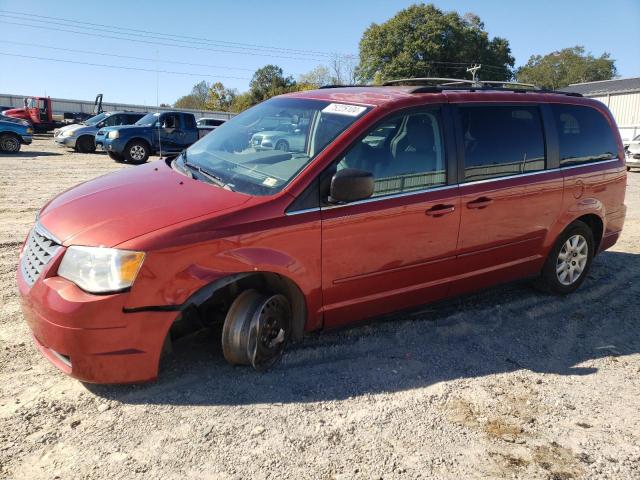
[(507, 383)]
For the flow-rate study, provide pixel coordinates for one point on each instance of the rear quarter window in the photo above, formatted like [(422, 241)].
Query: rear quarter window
[(190, 121), (584, 135)]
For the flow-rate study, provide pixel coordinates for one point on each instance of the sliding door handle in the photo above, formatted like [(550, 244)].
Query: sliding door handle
[(482, 202), (440, 210)]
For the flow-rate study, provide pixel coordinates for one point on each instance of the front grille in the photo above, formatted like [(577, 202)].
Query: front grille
[(38, 252)]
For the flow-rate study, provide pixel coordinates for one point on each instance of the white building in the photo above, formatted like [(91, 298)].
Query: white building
[(622, 96)]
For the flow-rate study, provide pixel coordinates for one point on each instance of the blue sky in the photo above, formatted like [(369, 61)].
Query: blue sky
[(327, 26)]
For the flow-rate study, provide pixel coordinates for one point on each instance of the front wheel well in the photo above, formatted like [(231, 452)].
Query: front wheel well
[(211, 302), (594, 222)]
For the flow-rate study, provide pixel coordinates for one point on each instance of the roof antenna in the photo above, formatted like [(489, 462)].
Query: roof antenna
[(474, 71), (158, 103)]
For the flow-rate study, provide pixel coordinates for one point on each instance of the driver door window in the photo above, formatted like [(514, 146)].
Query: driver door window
[(404, 153)]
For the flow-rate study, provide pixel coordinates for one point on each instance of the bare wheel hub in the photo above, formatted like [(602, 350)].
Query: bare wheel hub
[(256, 329)]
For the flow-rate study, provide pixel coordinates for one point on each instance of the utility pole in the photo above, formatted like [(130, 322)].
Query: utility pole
[(474, 70)]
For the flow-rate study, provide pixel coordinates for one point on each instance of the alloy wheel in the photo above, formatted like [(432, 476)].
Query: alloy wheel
[(137, 152), (572, 259)]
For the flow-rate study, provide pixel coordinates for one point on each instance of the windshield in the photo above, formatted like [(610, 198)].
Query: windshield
[(148, 120), (96, 119), (259, 151)]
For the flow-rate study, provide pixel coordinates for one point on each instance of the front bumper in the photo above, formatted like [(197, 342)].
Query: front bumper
[(89, 337), (26, 139), (69, 142), (115, 145)]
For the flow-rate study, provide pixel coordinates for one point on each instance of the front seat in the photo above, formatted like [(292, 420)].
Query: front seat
[(417, 154)]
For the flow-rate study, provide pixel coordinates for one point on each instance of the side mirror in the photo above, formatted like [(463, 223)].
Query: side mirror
[(100, 125), (350, 185), (157, 125)]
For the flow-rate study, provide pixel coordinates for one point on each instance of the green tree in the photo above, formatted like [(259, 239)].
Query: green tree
[(241, 102), (424, 41), (220, 98), (315, 78), (570, 65), (197, 99), (268, 82)]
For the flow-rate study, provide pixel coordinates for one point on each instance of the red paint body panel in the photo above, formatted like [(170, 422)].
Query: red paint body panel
[(350, 262)]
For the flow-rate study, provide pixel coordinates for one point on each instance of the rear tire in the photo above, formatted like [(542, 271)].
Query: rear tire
[(282, 145), (137, 152), (86, 144), (569, 261), (256, 329), (9, 143), (115, 156)]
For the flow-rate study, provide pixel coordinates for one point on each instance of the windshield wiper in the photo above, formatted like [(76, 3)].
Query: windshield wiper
[(205, 173)]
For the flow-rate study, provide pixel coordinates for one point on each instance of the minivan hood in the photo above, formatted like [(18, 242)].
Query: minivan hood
[(123, 205)]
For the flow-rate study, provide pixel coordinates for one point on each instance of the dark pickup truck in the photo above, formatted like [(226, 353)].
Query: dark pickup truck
[(155, 133)]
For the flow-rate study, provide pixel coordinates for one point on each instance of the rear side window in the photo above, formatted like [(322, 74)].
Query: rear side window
[(584, 135), (501, 140), (189, 121)]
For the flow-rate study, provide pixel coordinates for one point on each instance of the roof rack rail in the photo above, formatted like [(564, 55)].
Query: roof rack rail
[(436, 84), (422, 80)]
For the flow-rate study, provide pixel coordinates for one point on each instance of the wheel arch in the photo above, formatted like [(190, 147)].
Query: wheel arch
[(231, 286), (595, 223)]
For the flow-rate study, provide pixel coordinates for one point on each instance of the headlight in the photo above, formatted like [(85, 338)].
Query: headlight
[(100, 270), (68, 133), (29, 130), (113, 134)]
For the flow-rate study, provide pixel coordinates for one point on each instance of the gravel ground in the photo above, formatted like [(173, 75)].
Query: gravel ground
[(505, 383)]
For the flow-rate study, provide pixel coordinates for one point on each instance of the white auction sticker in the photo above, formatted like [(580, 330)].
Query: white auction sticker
[(344, 109)]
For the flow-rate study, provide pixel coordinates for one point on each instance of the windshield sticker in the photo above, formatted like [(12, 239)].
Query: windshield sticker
[(270, 182), (344, 109)]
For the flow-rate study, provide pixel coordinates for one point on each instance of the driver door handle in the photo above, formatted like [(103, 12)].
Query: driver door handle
[(440, 210), (482, 202)]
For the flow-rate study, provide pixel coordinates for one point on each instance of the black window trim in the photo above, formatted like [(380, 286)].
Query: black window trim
[(550, 141)]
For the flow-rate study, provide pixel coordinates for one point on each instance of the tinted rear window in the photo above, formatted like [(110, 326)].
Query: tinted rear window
[(189, 121), (584, 135), (501, 140)]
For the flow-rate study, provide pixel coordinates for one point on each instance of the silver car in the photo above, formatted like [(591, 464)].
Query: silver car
[(81, 136), (287, 138), (632, 152)]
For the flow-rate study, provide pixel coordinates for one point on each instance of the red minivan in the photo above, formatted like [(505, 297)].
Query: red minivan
[(370, 200)]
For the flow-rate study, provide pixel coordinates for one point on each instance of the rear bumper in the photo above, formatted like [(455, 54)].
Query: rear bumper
[(633, 160), (89, 337)]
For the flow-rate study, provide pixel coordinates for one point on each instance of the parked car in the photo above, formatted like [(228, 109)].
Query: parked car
[(81, 137), (288, 137), (14, 133), (468, 188), (632, 151), (207, 125), (166, 132)]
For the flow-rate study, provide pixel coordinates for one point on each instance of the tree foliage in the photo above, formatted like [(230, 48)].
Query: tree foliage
[(268, 82), (197, 99), (316, 77), (424, 41), (220, 98), (570, 65)]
